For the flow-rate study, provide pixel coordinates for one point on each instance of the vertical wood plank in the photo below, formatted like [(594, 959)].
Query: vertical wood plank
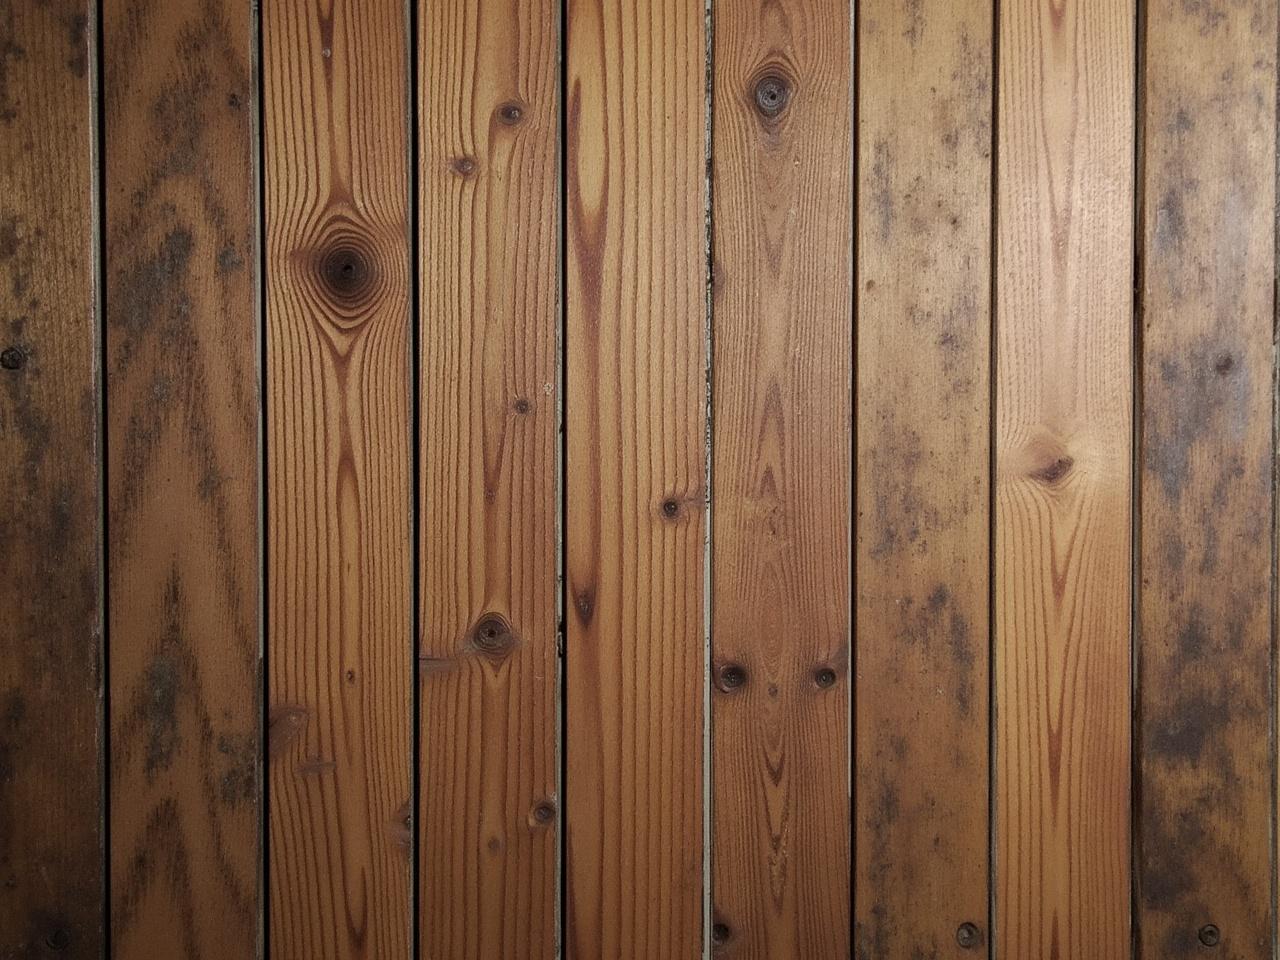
[(182, 407), (782, 374), (1207, 459), (338, 487), (635, 478), (924, 321), (51, 878), (1063, 478), (489, 384)]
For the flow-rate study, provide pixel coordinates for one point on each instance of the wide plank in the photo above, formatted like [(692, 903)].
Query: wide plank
[(1063, 425), (339, 501), (490, 385), (51, 765)]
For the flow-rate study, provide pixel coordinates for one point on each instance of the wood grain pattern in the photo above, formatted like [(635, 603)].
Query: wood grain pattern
[(635, 478), (51, 877), (1063, 478), (338, 484), (924, 339), (1207, 458), (489, 107), (782, 319), (182, 477)]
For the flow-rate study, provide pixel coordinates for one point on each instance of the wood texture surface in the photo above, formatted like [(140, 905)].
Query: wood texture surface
[(1063, 427), (635, 478), (51, 877), (182, 477), (338, 478), (781, 454), (489, 100), (1207, 458), (924, 341)]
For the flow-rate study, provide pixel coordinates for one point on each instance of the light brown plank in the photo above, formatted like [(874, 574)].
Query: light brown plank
[(782, 447), (338, 491), (489, 105), (921, 779), (1063, 478), (635, 478), (1207, 458), (51, 877), (182, 479)]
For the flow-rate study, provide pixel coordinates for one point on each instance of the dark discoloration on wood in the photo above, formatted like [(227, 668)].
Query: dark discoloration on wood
[(1205, 822), (51, 881)]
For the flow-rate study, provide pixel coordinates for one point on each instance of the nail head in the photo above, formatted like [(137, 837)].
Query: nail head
[(12, 359), (1210, 935), (968, 935)]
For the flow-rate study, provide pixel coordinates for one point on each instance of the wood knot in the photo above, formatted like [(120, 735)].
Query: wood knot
[(522, 406), (730, 676), (771, 93), (347, 271), (1224, 364), (543, 813), (492, 636), (510, 113), (1053, 471), (671, 508), (463, 166)]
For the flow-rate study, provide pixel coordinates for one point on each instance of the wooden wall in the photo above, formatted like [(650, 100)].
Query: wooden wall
[(616, 479)]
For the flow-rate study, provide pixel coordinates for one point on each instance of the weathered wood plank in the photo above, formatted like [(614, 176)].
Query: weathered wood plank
[(338, 477), (924, 339), (182, 477), (489, 105), (1063, 478), (51, 877), (1207, 459), (635, 478), (782, 447)]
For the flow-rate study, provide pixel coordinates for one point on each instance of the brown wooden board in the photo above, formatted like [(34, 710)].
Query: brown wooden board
[(782, 373), (489, 106), (1207, 457), (1063, 427), (635, 478), (921, 778), (338, 478), (182, 477), (51, 876)]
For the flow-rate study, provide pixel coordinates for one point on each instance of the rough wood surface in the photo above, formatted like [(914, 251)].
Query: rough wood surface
[(489, 102), (1207, 458), (338, 489), (924, 318), (182, 477), (782, 444), (51, 877), (635, 479), (1063, 478)]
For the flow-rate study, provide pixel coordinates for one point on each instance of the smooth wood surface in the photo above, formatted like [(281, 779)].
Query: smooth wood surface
[(51, 876), (1063, 427), (1207, 459), (490, 384), (635, 479), (338, 478), (922, 768), (781, 450), (182, 478)]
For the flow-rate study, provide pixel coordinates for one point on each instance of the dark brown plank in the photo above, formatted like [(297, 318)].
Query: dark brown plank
[(51, 878), (1207, 461), (924, 316)]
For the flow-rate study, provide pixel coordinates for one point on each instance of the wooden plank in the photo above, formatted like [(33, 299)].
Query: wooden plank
[(489, 96), (782, 450), (338, 477), (922, 771), (1207, 457), (51, 876), (182, 476), (635, 478), (1063, 478)]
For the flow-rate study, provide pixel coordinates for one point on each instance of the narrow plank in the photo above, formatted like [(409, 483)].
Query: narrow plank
[(1063, 478), (338, 477), (1207, 457), (782, 451), (488, 92), (182, 477), (635, 478), (51, 877), (924, 321)]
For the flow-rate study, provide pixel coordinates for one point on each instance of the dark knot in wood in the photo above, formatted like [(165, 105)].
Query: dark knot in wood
[(510, 113), (772, 94), (347, 272), (731, 676), (492, 636)]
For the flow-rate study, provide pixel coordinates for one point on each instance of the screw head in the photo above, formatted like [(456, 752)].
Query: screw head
[(670, 508), (772, 93), (720, 933), (968, 935), (824, 677), (11, 358), (1210, 935), (58, 939), (510, 114), (732, 676), (544, 812)]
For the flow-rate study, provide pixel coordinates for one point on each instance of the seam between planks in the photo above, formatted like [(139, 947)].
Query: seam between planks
[(993, 351)]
